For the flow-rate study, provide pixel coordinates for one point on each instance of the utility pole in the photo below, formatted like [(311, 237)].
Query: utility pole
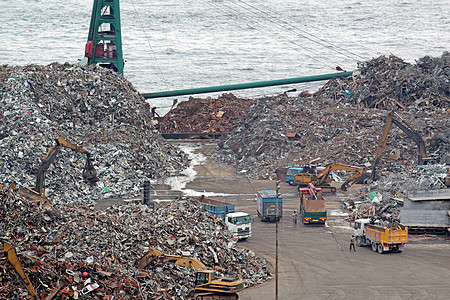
[(276, 239)]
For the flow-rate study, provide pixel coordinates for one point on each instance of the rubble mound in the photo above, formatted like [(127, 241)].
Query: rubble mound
[(93, 108), (285, 132), (282, 131), (206, 115), (391, 83), (56, 245)]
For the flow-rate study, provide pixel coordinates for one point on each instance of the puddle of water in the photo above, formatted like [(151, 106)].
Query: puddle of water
[(178, 183)]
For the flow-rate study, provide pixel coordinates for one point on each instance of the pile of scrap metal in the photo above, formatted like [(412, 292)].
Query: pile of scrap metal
[(75, 252), (391, 83), (92, 108), (373, 205), (204, 117), (342, 123)]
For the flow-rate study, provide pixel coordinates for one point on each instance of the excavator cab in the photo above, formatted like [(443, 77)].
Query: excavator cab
[(204, 277)]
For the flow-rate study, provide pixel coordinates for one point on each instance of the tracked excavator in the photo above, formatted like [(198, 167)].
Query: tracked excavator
[(394, 118), (207, 286), (321, 180), (10, 254), (38, 193)]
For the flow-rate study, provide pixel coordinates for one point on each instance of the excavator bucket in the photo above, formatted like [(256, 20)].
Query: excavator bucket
[(89, 172)]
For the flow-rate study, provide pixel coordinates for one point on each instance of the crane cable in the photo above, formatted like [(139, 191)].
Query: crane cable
[(321, 40), (151, 48), (283, 41), (282, 24)]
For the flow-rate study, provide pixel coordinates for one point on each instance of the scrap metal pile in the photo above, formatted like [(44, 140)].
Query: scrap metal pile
[(93, 108), (208, 115), (385, 197), (373, 204), (391, 83), (292, 131), (57, 245)]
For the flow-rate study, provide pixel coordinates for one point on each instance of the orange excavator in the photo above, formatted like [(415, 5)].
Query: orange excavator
[(89, 172), (207, 285), (322, 179)]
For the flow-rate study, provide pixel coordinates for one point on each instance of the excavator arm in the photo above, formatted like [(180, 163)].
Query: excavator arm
[(322, 177), (89, 172), (406, 129), (207, 286), (10, 253), (359, 173), (156, 256)]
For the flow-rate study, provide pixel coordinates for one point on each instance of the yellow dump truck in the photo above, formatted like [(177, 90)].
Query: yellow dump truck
[(381, 238)]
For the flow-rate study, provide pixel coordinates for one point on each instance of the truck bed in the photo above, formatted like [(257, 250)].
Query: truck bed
[(217, 208), (387, 235), (314, 205)]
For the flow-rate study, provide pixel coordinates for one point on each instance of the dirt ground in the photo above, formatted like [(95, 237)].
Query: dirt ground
[(315, 262)]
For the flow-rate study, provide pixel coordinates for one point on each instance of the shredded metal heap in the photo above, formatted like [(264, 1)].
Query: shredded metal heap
[(94, 108), (56, 245), (336, 124)]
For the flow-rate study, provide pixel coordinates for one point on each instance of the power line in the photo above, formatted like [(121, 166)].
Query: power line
[(261, 15)]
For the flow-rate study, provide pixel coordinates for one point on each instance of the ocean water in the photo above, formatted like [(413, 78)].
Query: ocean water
[(171, 45)]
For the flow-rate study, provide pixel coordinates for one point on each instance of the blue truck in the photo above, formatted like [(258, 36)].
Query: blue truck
[(217, 208), (266, 205), (290, 174)]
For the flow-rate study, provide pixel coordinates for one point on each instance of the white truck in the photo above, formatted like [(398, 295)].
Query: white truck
[(239, 224)]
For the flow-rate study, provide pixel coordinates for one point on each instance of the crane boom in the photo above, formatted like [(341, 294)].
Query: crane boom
[(89, 172)]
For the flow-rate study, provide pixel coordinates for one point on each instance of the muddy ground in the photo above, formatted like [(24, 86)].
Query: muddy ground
[(315, 262)]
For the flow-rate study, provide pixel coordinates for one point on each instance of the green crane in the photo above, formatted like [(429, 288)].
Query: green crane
[(104, 45)]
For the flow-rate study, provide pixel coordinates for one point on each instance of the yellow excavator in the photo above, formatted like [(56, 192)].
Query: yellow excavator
[(10, 254), (38, 193), (394, 118), (207, 286), (322, 180)]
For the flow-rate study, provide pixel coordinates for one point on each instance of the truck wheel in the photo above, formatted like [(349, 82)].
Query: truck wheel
[(374, 247), (380, 248), (359, 241)]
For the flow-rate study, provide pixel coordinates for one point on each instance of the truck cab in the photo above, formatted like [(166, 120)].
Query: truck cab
[(239, 224), (290, 174), (360, 227)]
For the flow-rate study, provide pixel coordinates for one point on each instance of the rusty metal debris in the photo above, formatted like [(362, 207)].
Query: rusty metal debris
[(199, 117), (330, 127), (73, 251)]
